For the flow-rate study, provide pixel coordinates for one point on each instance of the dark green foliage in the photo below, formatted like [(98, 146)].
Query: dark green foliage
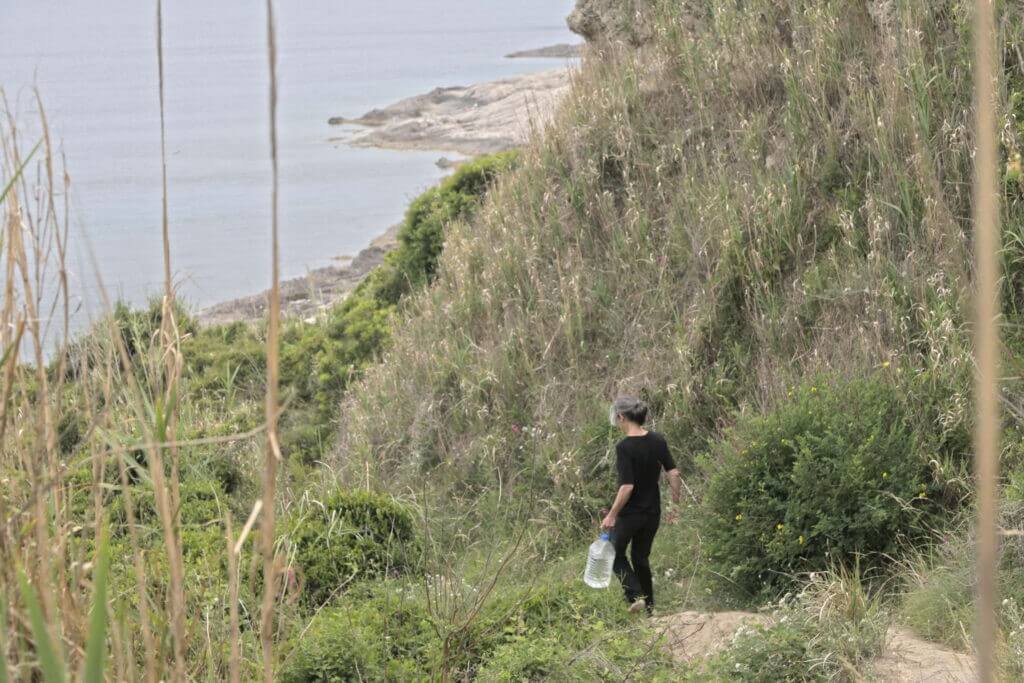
[(533, 659), (200, 504), (71, 429), (830, 475), (377, 638), (350, 536), (422, 234), (780, 652), (226, 360), (549, 631), (318, 361), (542, 632)]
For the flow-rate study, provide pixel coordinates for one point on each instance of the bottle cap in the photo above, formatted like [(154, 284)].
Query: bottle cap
[(605, 536)]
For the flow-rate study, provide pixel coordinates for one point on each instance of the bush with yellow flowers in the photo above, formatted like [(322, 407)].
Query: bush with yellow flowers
[(832, 475)]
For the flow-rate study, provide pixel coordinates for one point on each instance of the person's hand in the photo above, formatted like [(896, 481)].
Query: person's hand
[(608, 522)]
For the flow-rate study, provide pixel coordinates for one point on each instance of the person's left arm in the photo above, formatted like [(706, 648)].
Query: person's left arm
[(621, 498), (626, 485)]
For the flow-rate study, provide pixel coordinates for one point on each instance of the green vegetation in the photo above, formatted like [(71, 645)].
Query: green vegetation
[(346, 537), (833, 472), (554, 630), (758, 222), (830, 629), (380, 637)]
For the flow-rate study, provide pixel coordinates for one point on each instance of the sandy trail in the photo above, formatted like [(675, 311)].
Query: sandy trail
[(906, 658)]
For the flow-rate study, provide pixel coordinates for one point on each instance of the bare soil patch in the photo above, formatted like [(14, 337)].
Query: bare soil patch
[(695, 635), (908, 658), (691, 636)]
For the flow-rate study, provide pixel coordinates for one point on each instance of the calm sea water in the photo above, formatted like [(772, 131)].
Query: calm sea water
[(95, 65)]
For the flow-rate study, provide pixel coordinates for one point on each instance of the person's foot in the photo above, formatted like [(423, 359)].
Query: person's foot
[(638, 606)]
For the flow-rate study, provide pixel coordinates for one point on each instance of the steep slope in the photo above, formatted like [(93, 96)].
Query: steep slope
[(761, 194)]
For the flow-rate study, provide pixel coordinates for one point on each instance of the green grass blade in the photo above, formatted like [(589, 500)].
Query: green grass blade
[(50, 662), (18, 172), (96, 647)]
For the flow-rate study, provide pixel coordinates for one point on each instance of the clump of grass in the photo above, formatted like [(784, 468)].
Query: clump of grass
[(830, 631), (940, 586)]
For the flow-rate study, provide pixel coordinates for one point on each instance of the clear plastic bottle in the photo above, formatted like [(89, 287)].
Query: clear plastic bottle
[(600, 558)]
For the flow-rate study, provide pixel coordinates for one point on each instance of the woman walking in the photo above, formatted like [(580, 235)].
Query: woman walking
[(635, 515)]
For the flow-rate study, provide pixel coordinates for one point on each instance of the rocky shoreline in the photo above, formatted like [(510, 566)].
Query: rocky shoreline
[(477, 119), (560, 51), (472, 120), (308, 296)]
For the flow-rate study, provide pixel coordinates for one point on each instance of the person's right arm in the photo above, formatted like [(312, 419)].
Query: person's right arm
[(675, 480)]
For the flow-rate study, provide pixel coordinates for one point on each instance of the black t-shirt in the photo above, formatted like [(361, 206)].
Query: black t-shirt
[(639, 461)]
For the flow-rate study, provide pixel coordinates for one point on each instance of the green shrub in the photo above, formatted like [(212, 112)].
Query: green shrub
[(225, 360), (780, 652), (349, 536), (421, 236), (139, 328), (387, 636), (529, 659), (830, 475), (613, 653), (319, 360)]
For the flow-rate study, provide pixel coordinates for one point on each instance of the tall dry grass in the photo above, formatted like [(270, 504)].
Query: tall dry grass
[(62, 620), (763, 193)]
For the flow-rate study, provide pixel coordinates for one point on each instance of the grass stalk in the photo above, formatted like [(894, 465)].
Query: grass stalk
[(172, 362), (987, 248), (273, 331), (234, 660)]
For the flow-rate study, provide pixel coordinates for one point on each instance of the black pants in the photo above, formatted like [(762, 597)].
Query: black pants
[(638, 530)]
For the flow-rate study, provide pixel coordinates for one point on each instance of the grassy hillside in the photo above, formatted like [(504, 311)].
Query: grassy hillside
[(757, 220), (767, 203), (761, 196)]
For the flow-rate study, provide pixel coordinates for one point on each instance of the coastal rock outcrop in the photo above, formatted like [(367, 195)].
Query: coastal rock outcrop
[(478, 119), (622, 20)]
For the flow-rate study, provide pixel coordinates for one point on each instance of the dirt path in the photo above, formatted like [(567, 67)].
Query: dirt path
[(906, 659)]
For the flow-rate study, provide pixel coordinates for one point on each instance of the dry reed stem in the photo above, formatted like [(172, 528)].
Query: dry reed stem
[(50, 219), (43, 567), (139, 568), (172, 357), (986, 435), (273, 327)]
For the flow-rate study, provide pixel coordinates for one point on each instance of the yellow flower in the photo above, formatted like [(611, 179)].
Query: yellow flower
[(739, 517), (779, 526), (814, 390), (885, 364), (801, 539), (885, 475)]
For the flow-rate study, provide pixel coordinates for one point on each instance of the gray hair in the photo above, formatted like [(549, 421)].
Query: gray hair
[(629, 407)]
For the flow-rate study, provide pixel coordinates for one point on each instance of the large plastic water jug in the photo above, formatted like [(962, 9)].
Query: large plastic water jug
[(600, 558)]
